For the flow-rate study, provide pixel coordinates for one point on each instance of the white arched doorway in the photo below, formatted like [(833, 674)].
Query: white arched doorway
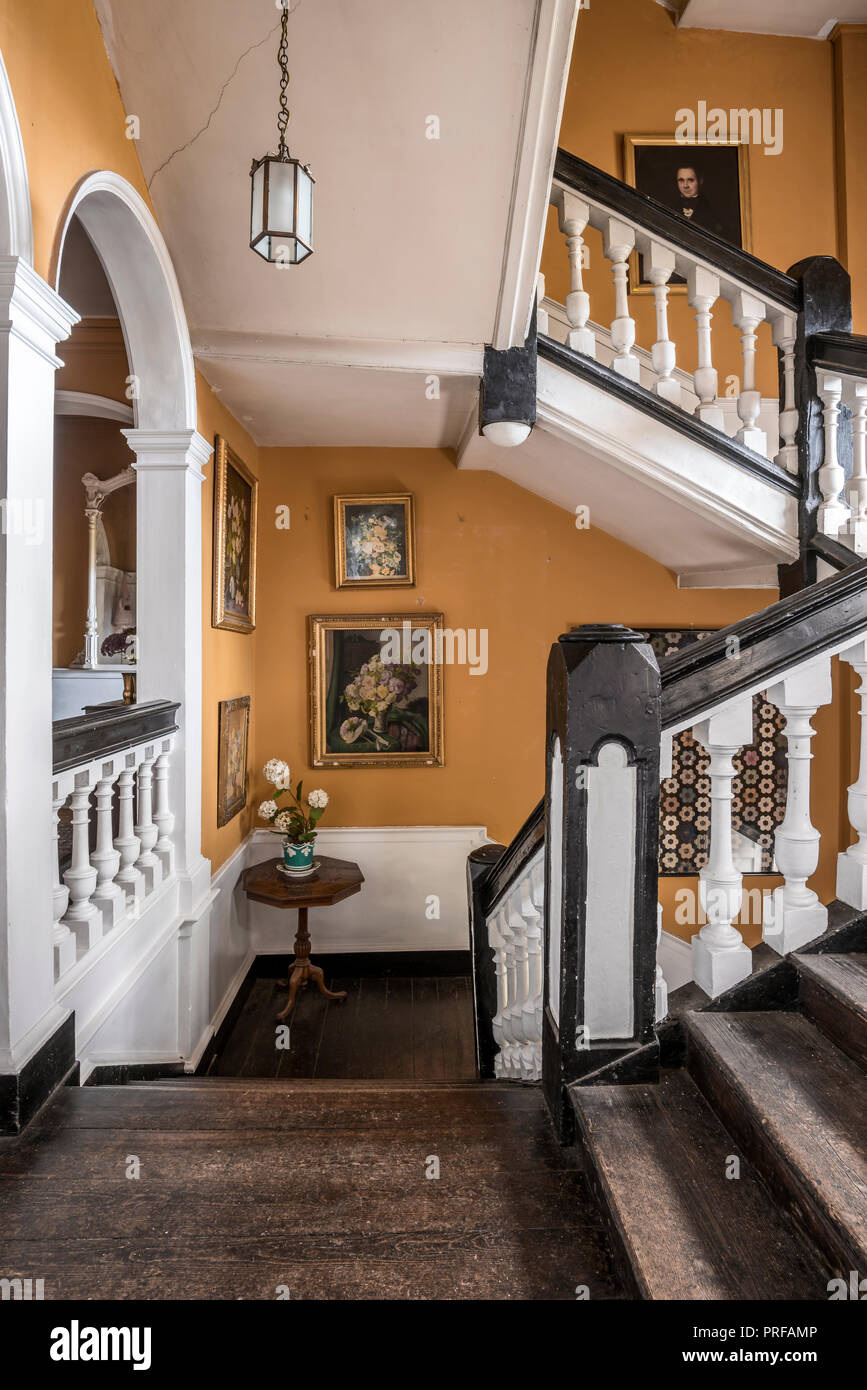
[(16, 222), (169, 458)]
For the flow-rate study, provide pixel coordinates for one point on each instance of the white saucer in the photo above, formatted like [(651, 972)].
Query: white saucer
[(299, 873)]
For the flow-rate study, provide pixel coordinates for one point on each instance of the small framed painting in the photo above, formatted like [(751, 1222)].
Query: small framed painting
[(234, 727), (376, 690), (236, 496), (708, 185), (374, 541)]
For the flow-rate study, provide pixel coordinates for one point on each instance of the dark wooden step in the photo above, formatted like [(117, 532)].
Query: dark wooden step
[(834, 996), (796, 1105), (659, 1157)]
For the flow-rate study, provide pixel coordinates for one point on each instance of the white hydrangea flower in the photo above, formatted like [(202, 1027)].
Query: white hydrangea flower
[(283, 821), (277, 773), (267, 810), (319, 799)]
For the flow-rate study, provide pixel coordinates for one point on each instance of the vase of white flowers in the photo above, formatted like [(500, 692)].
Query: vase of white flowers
[(296, 823)]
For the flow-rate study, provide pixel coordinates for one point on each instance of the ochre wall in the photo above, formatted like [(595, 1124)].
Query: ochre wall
[(228, 658), (850, 74), (631, 72)]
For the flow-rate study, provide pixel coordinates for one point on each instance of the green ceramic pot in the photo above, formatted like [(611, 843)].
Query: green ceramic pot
[(297, 856)]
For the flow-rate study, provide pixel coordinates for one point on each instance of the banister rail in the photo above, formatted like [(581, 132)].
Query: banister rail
[(655, 217)]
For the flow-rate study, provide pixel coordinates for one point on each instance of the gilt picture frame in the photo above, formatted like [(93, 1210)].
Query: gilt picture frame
[(374, 540), (236, 500), (376, 690), (233, 736), (722, 190)]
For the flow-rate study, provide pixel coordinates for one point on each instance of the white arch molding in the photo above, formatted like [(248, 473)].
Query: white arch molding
[(16, 221), (136, 261), (169, 458)]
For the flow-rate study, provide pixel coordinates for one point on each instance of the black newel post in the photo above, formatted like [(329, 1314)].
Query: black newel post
[(826, 307), (601, 859), (508, 386)]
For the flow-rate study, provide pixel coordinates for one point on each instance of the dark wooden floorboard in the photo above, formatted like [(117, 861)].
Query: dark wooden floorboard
[(323, 1187), (390, 1028)]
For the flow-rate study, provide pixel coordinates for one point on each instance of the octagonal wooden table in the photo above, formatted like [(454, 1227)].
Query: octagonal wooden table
[(334, 880)]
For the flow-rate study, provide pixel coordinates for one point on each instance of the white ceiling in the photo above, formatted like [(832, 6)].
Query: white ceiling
[(412, 236), (810, 19)]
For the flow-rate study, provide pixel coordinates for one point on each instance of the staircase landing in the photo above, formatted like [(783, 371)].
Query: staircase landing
[(315, 1187)]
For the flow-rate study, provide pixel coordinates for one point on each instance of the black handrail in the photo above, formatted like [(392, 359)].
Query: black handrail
[(656, 217), (714, 669), (839, 352), (110, 729)]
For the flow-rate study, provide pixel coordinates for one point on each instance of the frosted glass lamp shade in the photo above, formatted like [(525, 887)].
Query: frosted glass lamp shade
[(281, 215)]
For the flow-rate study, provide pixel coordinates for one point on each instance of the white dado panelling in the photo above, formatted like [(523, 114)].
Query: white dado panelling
[(404, 867)]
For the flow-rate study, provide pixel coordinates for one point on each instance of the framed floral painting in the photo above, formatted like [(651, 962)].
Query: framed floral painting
[(234, 727), (236, 494), (376, 690), (374, 541)]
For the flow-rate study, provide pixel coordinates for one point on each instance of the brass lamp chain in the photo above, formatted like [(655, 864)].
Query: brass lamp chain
[(283, 59)]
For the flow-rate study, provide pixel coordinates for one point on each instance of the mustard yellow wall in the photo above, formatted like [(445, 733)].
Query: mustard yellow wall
[(850, 74), (631, 72), (228, 658)]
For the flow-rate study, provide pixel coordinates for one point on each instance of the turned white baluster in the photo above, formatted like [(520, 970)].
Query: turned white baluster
[(793, 914), (511, 1063), (62, 939), (747, 313), (83, 917), (162, 816), (856, 492), (703, 292), (147, 862), (531, 1052), (127, 843), (834, 512), (852, 865), (719, 957), (659, 265), (538, 897), (519, 937), (108, 895), (785, 334), (619, 240), (498, 951), (573, 215)]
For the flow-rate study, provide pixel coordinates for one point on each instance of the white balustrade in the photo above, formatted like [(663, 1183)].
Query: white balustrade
[(706, 286), (515, 937), (719, 957), (793, 914), (619, 240), (852, 864), (833, 512), (856, 490), (574, 214), (785, 335), (102, 888)]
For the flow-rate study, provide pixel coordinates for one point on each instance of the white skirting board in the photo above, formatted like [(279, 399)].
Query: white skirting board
[(675, 957), (414, 895)]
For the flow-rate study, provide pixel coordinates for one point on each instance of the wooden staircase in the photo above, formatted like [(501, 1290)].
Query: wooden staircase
[(783, 1094)]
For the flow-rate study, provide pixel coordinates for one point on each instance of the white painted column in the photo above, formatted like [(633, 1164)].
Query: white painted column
[(857, 489), (659, 265), (147, 862), (574, 214), (793, 914), (169, 622), (83, 917), (107, 895), (719, 957), (702, 293), (747, 313), (127, 843), (162, 816), (64, 941), (785, 335), (834, 512), (852, 864), (92, 514), (33, 319), (619, 241)]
